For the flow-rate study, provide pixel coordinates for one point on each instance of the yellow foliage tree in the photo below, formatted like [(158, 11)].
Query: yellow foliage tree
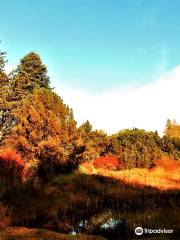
[(172, 129)]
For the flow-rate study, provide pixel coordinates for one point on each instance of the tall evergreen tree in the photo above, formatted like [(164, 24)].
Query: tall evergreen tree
[(32, 65), (31, 73), (18, 87)]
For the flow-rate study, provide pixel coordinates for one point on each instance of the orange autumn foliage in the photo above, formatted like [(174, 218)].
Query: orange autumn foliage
[(107, 162), (11, 166), (167, 164), (45, 131)]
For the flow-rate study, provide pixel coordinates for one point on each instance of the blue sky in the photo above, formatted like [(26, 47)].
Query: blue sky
[(94, 44), (116, 62)]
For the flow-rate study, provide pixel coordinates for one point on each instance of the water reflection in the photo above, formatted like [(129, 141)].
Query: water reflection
[(74, 232), (111, 224), (104, 224), (121, 225)]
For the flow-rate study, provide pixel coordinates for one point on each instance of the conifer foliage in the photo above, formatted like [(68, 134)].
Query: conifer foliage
[(44, 131), (43, 127), (3, 76), (7, 120), (30, 74)]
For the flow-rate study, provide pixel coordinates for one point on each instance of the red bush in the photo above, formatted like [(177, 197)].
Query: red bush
[(11, 165), (108, 162)]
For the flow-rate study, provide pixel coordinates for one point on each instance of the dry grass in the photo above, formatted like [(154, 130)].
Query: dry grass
[(166, 174)]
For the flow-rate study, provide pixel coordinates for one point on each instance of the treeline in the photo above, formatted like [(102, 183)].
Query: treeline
[(135, 148), (42, 130)]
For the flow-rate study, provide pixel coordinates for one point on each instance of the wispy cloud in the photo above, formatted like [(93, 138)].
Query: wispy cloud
[(145, 107)]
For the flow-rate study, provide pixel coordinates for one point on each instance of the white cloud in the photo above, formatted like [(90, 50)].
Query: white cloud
[(145, 107), (9, 67)]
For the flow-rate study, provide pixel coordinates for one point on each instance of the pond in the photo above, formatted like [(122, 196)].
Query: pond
[(121, 226)]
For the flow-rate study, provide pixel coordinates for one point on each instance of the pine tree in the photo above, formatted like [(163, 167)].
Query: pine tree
[(17, 86), (30, 74), (32, 65)]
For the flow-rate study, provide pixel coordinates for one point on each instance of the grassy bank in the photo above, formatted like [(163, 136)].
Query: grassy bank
[(162, 177), (66, 201)]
